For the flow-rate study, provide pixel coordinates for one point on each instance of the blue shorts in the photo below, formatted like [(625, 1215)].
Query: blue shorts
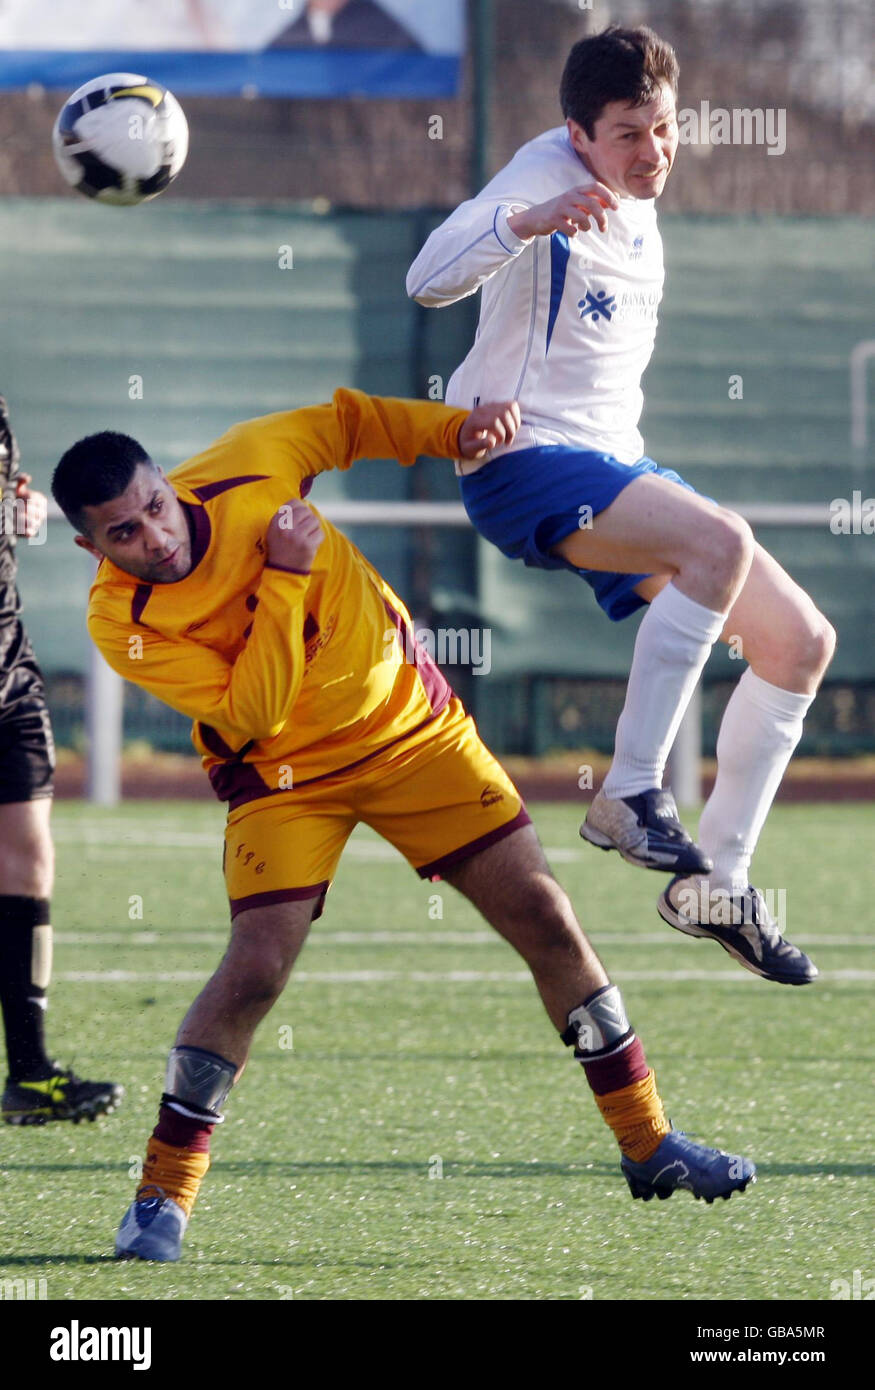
[(528, 500)]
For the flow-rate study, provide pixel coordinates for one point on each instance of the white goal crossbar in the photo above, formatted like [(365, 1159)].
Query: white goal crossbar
[(453, 513)]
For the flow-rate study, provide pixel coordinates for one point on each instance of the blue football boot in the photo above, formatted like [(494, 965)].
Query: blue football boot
[(680, 1162), (152, 1228)]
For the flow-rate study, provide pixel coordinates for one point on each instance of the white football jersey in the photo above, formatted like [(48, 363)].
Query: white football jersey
[(567, 325)]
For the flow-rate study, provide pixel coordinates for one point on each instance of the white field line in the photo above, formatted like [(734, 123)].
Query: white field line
[(116, 837), (114, 840), (373, 977), (170, 938)]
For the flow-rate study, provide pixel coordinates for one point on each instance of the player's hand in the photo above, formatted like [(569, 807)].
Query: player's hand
[(36, 506), (571, 212), (293, 536), (488, 426)]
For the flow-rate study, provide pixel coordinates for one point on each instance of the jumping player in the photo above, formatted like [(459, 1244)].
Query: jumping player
[(37, 1089), (564, 243), (224, 594)]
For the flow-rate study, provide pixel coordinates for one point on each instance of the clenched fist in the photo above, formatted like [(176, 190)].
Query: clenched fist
[(293, 537)]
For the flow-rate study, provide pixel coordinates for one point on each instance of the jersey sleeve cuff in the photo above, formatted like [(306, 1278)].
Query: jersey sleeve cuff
[(286, 569), (503, 234)]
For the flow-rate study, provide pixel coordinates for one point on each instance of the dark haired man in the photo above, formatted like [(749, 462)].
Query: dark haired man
[(564, 243), (37, 1088), (314, 709)]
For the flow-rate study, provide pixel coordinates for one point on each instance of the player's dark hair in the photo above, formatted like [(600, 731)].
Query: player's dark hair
[(93, 470), (616, 65)]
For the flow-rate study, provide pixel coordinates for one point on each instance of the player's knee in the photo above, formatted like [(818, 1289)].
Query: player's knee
[(43, 868), (27, 867), (722, 539), (813, 642), (729, 545), (553, 930), (825, 642), (560, 936), (259, 975), (534, 897)]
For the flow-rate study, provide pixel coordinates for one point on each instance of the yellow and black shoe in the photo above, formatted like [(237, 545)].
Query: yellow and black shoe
[(57, 1094)]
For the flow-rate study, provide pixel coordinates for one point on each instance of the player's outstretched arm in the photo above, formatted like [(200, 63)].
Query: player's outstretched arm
[(298, 444), (423, 427), (301, 443), (465, 251), (485, 234)]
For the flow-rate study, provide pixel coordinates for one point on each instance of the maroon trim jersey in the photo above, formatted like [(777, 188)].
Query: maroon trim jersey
[(289, 678)]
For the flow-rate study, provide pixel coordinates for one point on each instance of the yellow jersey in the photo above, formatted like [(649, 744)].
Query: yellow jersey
[(289, 678)]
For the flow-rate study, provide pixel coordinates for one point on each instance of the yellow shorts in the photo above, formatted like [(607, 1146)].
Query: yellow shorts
[(438, 801)]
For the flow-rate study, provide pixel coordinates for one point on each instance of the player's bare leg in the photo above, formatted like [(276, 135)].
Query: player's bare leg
[(265, 943), (655, 526), (211, 1049), (27, 859), (511, 884), (788, 643), (785, 638), (37, 1089)]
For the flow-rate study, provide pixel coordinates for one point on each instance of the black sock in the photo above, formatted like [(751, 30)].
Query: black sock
[(22, 1002)]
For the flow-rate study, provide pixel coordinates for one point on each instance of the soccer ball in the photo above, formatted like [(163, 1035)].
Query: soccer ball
[(120, 138)]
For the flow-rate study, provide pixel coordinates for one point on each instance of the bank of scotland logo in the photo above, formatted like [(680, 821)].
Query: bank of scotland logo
[(601, 305)]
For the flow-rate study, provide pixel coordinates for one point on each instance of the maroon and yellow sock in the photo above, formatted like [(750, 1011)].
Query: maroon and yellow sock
[(177, 1157), (636, 1116)]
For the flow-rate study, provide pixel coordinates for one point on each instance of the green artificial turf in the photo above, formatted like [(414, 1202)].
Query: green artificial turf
[(409, 1126)]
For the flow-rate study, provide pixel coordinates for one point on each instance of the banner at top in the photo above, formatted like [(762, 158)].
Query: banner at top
[(283, 48)]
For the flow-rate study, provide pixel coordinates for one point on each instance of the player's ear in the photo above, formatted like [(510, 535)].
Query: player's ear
[(85, 544), (576, 134)]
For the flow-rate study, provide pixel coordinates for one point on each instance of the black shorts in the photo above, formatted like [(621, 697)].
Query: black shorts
[(27, 749)]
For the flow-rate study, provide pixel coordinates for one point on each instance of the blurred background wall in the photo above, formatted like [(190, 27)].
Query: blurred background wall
[(770, 278), (810, 57)]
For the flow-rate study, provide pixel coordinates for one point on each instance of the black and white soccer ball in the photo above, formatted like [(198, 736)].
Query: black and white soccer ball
[(121, 139)]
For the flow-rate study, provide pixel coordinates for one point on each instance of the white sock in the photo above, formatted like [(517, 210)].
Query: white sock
[(761, 726), (673, 643)]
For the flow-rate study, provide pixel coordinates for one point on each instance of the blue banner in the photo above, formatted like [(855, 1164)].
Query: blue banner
[(300, 48)]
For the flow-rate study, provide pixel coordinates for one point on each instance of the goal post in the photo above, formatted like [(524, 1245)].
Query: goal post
[(104, 718)]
